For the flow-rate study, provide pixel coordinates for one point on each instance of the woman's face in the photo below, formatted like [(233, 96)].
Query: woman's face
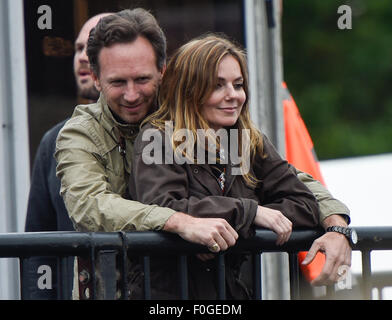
[(224, 106)]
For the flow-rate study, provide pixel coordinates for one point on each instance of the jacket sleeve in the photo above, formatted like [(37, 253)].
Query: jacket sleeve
[(327, 203), (168, 185), (91, 201), (280, 189)]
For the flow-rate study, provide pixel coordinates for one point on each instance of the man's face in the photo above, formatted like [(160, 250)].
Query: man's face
[(129, 78), (83, 75)]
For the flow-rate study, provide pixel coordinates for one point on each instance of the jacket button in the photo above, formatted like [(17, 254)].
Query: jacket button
[(84, 277), (86, 293), (196, 170)]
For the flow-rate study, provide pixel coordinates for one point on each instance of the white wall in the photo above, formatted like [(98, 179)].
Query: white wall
[(364, 185)]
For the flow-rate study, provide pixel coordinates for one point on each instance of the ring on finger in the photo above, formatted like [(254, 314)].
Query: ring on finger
[(341, 271), (214, 248)]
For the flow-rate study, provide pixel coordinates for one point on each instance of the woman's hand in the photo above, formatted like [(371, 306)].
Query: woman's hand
[(276, 221), (215, 233)]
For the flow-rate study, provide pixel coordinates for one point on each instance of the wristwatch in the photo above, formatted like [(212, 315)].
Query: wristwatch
[(350, 233)]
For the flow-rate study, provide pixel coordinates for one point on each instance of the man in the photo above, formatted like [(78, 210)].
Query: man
[(140, 65), (82, 72), (45, 209), (94, 148)]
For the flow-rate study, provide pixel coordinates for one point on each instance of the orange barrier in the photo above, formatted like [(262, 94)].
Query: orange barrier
[(300, 153)]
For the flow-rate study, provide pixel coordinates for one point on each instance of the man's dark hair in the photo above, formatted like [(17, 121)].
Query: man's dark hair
[(123, 27)]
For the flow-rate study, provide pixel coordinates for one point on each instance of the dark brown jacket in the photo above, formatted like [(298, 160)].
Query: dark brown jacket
[(194, 189)]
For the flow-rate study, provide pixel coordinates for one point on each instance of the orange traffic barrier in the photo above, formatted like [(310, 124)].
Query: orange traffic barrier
[(300, 153)]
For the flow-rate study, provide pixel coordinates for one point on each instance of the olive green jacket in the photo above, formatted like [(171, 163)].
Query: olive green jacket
[(328, 205), (94, 173)]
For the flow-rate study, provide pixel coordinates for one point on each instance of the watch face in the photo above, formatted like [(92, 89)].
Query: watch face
[(354, 236)]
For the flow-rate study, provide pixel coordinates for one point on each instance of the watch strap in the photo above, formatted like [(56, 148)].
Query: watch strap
[(339, 229), (349, 233)]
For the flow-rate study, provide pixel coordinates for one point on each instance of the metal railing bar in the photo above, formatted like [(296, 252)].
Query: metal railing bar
[(381, 279), (64, 244), (183, 266), (56, 243), (265, 240), (380, 293), (63, 282), (221, 277), (69, 243), (58, 279), (366, 275), (294, 276), (93, 294), (22, 261), (107, 268), (147, 277), (124, 267), (374, 238), (331, 293), (257, 287), (78, 243)]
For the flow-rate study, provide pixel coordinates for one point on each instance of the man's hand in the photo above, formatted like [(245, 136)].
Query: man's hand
[(337, 252), (215, 233)]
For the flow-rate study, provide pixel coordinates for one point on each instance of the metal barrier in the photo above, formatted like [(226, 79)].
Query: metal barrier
[(106, 247)]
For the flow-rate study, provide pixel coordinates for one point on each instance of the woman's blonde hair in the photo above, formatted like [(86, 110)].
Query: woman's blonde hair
[(188, 82)]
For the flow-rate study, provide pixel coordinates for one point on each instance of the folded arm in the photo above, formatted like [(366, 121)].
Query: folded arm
[(93, 197)]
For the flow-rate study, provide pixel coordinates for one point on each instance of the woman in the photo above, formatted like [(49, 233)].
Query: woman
[(239, 177)]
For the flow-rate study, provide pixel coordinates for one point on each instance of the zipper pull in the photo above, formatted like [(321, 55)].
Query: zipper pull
[(122, 146)]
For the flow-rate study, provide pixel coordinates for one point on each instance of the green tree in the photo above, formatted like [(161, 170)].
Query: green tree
[(341, 79)]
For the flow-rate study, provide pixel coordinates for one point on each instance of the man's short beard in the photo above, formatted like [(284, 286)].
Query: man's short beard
[(89, 93)]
